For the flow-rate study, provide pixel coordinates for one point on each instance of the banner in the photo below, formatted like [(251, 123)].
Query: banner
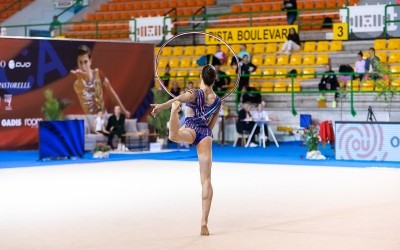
[(150, 28), (262, 34), (113, 73), (367, 141), (368, 21)]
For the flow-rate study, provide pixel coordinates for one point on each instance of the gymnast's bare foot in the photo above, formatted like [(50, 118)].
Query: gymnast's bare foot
[(204, 229), (175, 106)]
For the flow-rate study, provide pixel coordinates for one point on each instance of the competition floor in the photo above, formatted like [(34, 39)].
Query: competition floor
[(149, 204)]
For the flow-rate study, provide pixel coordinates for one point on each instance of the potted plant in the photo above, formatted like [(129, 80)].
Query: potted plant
[(51, 109), (385, 90), (101, 151), (312, 139), (321, 101), (159, 123)]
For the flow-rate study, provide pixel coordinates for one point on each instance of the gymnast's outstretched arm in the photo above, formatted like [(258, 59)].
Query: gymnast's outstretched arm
[(189, 96)]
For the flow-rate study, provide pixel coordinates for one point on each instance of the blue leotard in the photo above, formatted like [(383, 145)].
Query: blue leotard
[(203, 114)]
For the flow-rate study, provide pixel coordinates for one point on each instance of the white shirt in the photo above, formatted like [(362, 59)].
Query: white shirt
[(99, 124), (259, 116), (360, 66)]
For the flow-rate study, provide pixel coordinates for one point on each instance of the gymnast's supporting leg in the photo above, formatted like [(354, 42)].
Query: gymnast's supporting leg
[(204, 154)]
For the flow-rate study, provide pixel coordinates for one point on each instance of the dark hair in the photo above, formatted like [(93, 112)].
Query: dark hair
[(360, 53), (372, 48), (84, 50), (208, 74)]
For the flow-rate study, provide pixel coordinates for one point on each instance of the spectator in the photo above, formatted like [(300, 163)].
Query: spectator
[(54, 25), (175, 90), (371, 64), (329, 80), (246, 68), (116, 126), (90, 84), (261, 115), (167, 75), (222, 82), (290, 6), (251, 95), (220, 55), (360, 66), (292, 43), (190, 85), (243, 52), (245, 123), (99, 122)]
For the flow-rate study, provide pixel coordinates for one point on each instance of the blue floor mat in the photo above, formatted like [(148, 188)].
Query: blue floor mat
[(289, 153)]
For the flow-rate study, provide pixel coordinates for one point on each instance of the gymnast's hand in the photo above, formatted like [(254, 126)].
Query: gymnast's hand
[(80, 74), (156, 109)]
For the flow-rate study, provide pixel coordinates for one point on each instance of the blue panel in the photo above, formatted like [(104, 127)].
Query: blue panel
[(61, 138), (305, 121)]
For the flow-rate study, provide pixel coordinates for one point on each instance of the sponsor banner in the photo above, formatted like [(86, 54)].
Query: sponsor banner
[(262, 34), (368, 21), (121, 74), (62, 4), (367, 141), (150, 29)]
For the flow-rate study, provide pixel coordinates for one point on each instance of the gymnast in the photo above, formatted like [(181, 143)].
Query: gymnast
[(202, 110)]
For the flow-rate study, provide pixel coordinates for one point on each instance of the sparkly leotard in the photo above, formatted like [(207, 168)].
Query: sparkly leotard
[(203, 114), (90, 94)]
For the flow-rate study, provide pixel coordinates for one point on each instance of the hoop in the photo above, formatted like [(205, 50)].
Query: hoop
[(200, 33)]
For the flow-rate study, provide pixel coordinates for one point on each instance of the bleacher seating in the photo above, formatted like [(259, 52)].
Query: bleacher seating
[(116, 13), (7, 11)]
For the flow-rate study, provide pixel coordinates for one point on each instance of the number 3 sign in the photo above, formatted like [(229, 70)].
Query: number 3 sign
[(340, 31)]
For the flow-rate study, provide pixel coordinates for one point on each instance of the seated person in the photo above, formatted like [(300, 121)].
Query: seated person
[(371, 64), (99, 122), (220, 54), (292, 44), (251, 95), (245, 123), (222, 82), (261, 115), (190, 85), (116, 126), (175, 90), (329, 81)]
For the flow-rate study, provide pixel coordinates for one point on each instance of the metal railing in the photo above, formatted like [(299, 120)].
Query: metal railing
[(250, 17), (386, 21), (342, 90)]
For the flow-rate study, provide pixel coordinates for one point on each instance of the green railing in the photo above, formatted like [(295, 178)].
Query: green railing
[(210, 19), (386, 21), (291, 88)]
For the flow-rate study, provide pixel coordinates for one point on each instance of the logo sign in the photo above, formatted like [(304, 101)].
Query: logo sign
[(13, 64), (369, 18), (150, 28), (367, 141), (263, 34)]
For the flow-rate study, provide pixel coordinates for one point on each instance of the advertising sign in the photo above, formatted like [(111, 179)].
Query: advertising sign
[(368, 21), (242, 35), (85, 76), (151, 28), (367, 141)]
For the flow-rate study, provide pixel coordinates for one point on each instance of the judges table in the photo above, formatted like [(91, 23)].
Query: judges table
[(368, 141), (262, 133)]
